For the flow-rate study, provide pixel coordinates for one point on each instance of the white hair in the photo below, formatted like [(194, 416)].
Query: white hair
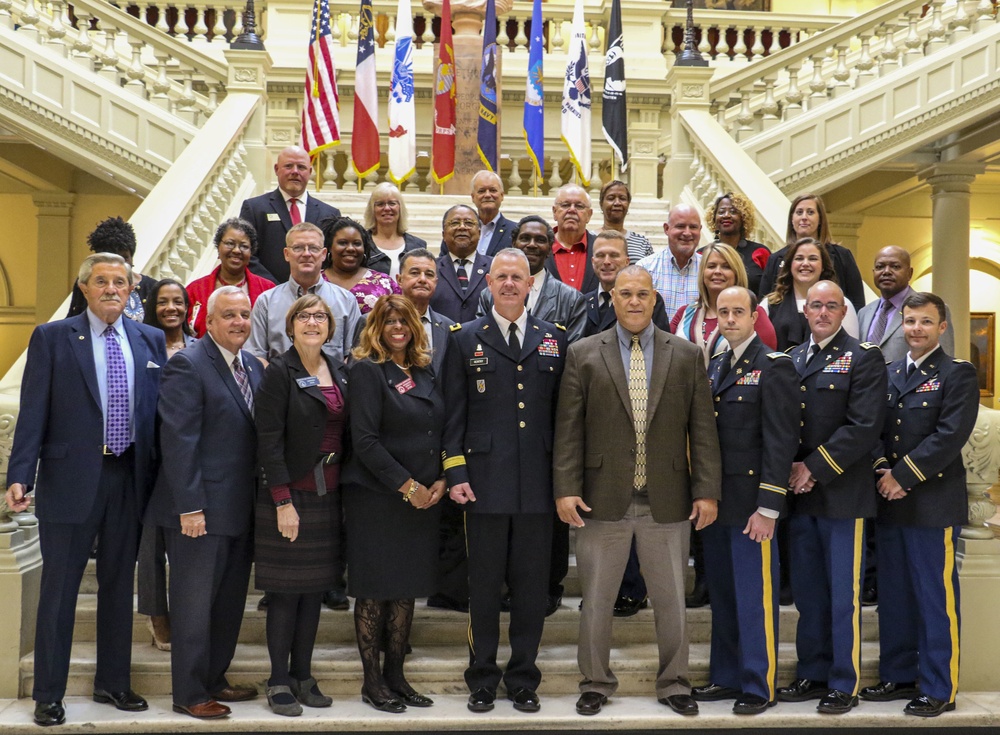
[(87, 266), (224, 291)]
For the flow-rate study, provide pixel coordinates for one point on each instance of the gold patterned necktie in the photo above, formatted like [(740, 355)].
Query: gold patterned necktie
[(639, 397)]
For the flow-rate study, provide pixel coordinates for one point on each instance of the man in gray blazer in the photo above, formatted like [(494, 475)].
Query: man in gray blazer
[(881, 321), (636, 453)]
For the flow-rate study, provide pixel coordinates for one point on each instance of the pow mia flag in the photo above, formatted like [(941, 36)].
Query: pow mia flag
[(614, 112)]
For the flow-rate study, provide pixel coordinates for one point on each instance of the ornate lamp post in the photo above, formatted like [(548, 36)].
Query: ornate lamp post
[(248, 40), (690, 55)]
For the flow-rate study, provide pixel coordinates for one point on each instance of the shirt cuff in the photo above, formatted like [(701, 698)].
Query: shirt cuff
[(768, 513)]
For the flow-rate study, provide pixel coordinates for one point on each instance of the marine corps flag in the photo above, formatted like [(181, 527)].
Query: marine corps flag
[(576, 98), (534, 98), (443, 143), (402, 112), (487, 138), (614, 113)]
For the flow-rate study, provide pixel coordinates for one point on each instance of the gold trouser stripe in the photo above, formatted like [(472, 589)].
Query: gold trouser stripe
[(829, 459), (951, 608), (917, 472), (770, 634), (465, 529), (859, 537), (452, 462), (773, 488)]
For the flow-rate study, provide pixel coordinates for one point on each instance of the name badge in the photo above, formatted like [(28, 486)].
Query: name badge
[(273, 217), (309, 382), (405, 386), (479, 361)]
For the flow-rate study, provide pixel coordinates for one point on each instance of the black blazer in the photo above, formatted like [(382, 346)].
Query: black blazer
[(269, 261), (590, 280), (844, 266), (449, 298), (381, 262), (395, 436), (439, 339), (595, 324), (291, 420), (501, 237)]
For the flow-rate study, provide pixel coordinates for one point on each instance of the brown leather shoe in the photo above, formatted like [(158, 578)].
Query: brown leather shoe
[(238, 693), (210, 710)]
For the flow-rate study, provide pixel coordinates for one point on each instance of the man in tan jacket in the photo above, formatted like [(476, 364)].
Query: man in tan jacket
[(636, 454)]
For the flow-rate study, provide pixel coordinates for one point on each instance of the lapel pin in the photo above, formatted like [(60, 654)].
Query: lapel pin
[(82, 338)]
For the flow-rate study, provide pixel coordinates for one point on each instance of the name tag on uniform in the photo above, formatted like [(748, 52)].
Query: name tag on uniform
[(309, 382), (479, 361), (405, 386), (273, 217)]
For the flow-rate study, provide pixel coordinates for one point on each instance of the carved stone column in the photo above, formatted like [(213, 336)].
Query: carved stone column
[(645, 134), (55, 272), (248, 73), (979, 559), (689, 90), (844, 230)]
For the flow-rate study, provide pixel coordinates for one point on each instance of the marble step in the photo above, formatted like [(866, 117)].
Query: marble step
[(432, 627), (434, 669)]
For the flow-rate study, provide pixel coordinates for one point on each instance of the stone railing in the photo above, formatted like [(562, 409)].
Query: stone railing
[(200, 23)]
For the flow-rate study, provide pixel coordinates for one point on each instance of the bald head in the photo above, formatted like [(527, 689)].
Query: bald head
[(824, 309), (293, 169), (892, 271)]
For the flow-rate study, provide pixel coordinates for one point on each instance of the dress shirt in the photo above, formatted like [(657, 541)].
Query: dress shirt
[(267, 331), (504, 324), (822, 344), (97, 327), (645, 342), (919, 361), (897, 306), (229, 357), (678, 286), (301, 199), (486, 230), (428, 329), (536, 289), (571, 262)]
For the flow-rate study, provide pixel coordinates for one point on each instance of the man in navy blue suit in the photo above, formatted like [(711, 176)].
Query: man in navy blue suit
[(87, 418)]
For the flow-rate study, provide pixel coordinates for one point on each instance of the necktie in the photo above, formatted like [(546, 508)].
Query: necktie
[(727, 365), (909, 369), (638, 394), (293, 211), (878, 331), (513, 341), (602, 308), (117, 420), (241, 380), (463, 275), (812, 353)]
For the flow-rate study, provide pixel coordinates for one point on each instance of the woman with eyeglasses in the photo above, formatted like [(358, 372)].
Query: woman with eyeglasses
[(301, 413), (392, 546), (386, 221), (235, 240), (348, 247)]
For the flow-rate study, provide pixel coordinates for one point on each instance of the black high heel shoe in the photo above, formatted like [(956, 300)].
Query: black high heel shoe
[(391, 704), (411, 697)]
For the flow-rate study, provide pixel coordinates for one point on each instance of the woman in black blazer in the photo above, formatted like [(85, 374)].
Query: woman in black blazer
[(301, 412), (392, 546)]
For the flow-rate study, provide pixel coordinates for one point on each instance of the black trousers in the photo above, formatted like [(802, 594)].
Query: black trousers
[(209, 576), (559, 562), (151, 579), (453, 561), (514, 548), (65, 548)]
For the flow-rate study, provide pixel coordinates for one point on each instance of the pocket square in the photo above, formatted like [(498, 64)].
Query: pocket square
[(151, 364)]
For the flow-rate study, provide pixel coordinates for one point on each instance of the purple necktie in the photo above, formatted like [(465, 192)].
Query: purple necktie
[(881, 323), (244, 384), (117, 423)]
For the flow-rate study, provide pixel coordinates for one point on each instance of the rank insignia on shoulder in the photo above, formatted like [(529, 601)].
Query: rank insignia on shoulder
[(454, 327), (720, 352), (776, 355), (559, 326), (960, 361), (868, 345)]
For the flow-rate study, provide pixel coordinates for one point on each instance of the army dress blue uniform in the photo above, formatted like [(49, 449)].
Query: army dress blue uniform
[(842, 391), (498, 437), (757, 419), (930, 416)]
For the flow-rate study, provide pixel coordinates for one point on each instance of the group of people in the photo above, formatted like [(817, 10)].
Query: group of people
[(334, 396)]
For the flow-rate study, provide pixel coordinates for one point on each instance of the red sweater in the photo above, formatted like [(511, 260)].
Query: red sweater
[(200, 289)]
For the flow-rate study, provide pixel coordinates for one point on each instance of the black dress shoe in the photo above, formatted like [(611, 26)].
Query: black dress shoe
[(922, 706), (411, 698), (802, 690), (389, 704), (505, 602), (626, 607), (127, 701), (443, 602), (336, 600), (263, 601), (49, 713), (590, 703), (785, 595), (554, 603), (869, 596), (713, 693), (682, 704), (887, 691), (751, 704), (482, 700), (698, 596), (524, 699), (837, 702)]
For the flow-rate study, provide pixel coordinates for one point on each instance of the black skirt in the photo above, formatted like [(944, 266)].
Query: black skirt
[(309, 563), (392, 547)]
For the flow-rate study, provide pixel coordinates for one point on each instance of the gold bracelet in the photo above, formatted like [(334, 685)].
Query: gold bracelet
[(413, 489)]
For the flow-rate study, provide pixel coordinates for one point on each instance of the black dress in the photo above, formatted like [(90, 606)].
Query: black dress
[(396, 430)]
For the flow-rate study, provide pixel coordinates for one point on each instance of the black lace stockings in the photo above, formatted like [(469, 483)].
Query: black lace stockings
[(383, 626)]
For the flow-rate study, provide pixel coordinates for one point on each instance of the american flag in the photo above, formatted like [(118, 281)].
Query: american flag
[(320, 113)]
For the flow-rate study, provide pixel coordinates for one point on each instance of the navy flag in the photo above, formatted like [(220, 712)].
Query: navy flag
[(487, 138)]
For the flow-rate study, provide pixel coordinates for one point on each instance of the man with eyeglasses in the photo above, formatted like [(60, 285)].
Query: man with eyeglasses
[(675, 270), (832, 490), (461, 270), (304, 253), (574, 244), (273, 214)]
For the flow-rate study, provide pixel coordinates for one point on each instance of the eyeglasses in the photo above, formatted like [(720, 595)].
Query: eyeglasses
[(389, 204), (829, 306), (313, 249), (320, 317), (467, 223), (243, 247), (578, 206)]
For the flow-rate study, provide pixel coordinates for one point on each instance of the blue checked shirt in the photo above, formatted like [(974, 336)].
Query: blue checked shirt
[(677, 286)]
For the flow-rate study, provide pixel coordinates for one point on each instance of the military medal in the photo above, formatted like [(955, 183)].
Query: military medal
[(549, 347)]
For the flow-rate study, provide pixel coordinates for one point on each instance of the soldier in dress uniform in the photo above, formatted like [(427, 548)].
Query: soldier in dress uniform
[(501, 382), (754, 391), (842, 390), (933, 402)]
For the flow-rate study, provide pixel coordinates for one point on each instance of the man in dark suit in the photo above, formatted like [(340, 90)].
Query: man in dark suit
[(755, 393), (501, 381), (573, 249), (495, 230), (933, 404), (204, 500), (461, 270), (842, 392), (86, 426), (636, 456), (272, 214), (418, 281)]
